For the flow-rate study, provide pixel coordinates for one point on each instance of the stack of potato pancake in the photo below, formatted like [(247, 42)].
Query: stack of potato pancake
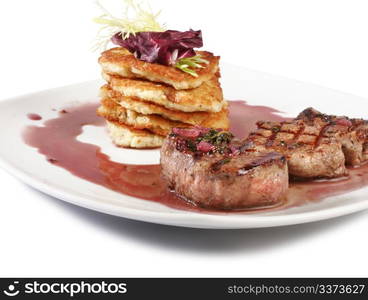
[(142, 101)]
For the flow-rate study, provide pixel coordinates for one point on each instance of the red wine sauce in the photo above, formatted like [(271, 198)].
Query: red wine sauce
[(57, 141), (243, 117), (34, 117)]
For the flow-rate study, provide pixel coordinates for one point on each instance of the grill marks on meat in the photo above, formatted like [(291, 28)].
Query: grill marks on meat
[(316, 145), (308, 151), (351, 133), (213, 169), (262, 159)]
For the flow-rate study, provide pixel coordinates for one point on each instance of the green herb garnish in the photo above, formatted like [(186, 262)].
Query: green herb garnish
[(217, 138), (191, 146), (188, 63), (133, 19)]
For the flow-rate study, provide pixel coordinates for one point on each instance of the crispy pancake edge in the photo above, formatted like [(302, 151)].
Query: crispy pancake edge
[(119, 61)]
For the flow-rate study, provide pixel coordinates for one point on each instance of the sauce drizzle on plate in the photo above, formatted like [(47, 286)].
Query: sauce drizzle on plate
[(34, 117), (57, 141)]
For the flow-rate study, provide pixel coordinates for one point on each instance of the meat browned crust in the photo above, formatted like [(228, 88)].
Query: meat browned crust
[(351, 133), (212, 169), (221, 177), (316, 145)]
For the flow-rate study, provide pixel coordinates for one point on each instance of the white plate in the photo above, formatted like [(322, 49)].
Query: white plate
[(257, 88)]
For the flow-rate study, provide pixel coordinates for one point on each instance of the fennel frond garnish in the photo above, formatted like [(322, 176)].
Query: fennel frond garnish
[(135, 18), (186, 64)]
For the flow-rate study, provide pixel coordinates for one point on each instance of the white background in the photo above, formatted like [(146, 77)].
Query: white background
[(46, 44)]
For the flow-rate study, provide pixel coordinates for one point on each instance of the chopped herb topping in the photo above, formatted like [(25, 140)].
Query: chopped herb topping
[(191, 146), (205, 141), (217, 138)]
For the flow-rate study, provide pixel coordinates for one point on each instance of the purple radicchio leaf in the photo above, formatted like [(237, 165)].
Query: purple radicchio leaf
[(161, 47)]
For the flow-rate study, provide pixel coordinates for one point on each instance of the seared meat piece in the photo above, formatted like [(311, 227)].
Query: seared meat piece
[(206, 167), (352, 133), (315, 145), (212, 169)]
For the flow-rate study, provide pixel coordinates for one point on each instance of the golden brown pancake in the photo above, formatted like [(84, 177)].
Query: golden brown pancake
[(112, 111), (207, 97), (119, 61), (126, 136), (205, 119)]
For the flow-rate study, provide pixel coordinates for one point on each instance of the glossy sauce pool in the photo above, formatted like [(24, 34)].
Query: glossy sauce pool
[(57, 141), (34, 117)]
